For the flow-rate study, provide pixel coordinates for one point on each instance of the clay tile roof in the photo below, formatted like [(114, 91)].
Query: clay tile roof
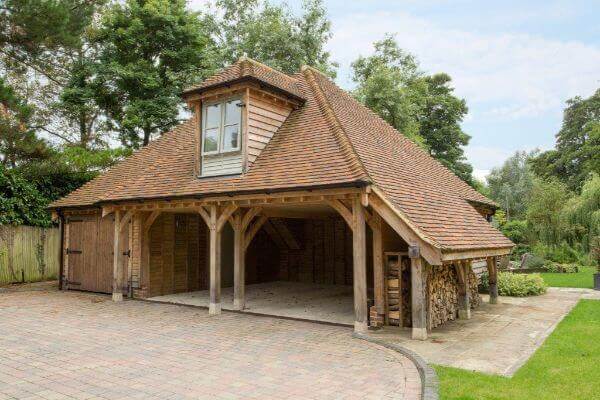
[(247, 68), (331, 140)]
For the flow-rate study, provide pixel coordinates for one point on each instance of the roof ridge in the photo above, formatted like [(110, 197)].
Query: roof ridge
[(255, 62), (340, 134)]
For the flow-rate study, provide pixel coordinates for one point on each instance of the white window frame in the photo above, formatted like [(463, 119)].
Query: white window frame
[(221, 135)]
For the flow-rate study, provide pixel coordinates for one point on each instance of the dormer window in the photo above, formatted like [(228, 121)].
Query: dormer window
[(221, 130)]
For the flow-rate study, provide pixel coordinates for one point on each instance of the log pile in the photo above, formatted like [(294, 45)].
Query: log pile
[(393, 291), (474, 290), (442, 295)]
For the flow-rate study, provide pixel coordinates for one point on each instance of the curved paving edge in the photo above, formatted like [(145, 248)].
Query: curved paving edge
[(429, 379)]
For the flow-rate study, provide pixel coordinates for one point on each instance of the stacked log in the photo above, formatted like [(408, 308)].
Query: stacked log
[(474, 290), (393, 291), (442, 295)]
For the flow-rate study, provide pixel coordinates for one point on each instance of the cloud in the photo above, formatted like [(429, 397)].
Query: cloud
[(522, 75)]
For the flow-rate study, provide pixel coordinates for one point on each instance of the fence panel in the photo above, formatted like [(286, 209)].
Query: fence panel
[(28, 253)]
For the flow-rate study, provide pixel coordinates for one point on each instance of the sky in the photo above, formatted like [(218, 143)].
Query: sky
[(514, 62)]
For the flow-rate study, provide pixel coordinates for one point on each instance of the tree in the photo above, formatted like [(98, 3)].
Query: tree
[(20, 201), (581, 215), (49, 64), (18, 142), (577, 152), (149, 51), (271, 34), (546, 202), (422, 107), (511, 184)]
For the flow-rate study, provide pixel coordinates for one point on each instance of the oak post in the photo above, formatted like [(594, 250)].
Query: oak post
[(214, 306), (493, 279), (417, 284), (238, 263), (117, 287), (464, 301), (360, 266), (378, 268)]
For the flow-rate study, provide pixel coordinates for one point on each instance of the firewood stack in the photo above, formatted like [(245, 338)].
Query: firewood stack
[(393, 291), (474, 290), (442, 293)]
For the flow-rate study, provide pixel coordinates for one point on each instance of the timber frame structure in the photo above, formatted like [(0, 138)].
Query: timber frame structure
[(301, 157)]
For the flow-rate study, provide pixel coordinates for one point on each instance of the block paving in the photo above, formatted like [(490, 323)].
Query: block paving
[(71, 345)]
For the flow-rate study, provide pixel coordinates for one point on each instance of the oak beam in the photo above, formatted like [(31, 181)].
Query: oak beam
[(418, 297), (224, 217), (126, 219), (117, 286), (150, 220), (253, 230), (359, 246), (343, 211)]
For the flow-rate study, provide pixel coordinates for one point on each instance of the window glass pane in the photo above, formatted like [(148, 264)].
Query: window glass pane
[(231, 138), (232, 112), (213, 116), (211, 140)]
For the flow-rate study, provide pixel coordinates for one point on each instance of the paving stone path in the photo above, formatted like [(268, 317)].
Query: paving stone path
[(57, 345)]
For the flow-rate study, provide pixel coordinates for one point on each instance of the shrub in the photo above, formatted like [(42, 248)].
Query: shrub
[(515, 230), (562, 253), (551, 266), (533, 262), (518, 285)]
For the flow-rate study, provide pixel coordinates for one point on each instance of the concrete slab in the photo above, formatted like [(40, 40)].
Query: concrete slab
[(306, 301), (499, 338)]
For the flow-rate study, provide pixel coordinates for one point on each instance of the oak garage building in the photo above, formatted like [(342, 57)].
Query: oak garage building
[(283, 195)]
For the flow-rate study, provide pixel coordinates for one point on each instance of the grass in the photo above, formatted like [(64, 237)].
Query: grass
[(582, 279), (564, 367)]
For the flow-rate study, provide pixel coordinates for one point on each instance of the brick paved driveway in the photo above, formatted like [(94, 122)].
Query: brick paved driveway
[(73, 345)]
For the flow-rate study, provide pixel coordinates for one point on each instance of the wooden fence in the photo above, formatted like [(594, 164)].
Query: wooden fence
[(29, 253)]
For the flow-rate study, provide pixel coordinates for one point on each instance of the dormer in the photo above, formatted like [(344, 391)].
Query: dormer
[(237, 112)]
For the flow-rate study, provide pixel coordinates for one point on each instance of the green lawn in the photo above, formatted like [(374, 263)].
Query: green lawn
[(582, 279), (567, 366)]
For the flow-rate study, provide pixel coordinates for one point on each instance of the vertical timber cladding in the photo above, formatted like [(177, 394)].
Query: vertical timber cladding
[(90, 251), (324, 255), (177, 254)]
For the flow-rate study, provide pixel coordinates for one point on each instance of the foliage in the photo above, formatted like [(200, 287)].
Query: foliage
[(20, 201), (511, 184), (149, 51), (517, 285), (520, 285), (516, 230), (581, 214), (422, 107), (270, 34), (49, 63), (18, 142), (554, 267), (564, 367), (543, 211), (577, 152), (562, 253)]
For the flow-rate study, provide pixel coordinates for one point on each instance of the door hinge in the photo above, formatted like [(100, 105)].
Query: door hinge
[(127, 253), (70, 251)]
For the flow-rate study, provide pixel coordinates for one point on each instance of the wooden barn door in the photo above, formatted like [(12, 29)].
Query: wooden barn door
[(90, 253)]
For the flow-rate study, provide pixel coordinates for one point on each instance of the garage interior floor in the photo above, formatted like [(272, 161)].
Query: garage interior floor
[(314, 302)]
